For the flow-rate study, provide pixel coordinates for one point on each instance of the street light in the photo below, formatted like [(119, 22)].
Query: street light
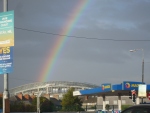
[(38, 101), (134, 50)]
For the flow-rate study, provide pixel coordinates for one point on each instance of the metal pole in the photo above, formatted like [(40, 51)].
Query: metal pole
[(5, 5), (37, 104), (143, 66), (5, 93), (142, 69)]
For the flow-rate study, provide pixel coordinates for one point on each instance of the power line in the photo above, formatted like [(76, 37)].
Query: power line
[(30, 30), (22, 79)]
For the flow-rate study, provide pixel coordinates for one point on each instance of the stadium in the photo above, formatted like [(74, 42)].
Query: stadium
[(54, 91), (52, 87)]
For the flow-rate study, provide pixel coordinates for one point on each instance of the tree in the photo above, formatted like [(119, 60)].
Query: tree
[(70, 102), (21, 107), (107, 107), (45, 104), (42, 99), (17, 107)]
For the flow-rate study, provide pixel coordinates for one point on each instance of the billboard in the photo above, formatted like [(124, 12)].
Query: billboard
[(142, 90), (7, 29), (128, 85), (76, 93), (6, 60), (106, 87)]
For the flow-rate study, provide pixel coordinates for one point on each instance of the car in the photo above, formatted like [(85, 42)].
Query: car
[(141, 108), (99, 111)]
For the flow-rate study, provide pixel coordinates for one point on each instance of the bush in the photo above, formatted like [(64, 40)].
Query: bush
[(107, 107), (123, 107)]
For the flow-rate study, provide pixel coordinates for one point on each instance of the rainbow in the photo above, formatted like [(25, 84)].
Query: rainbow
[(49, 64)]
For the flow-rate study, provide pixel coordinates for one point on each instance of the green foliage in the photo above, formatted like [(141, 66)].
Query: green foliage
[(21, 107), (123, 107), (70, 102), (34, 101), (107, 107), (45, 104), (93, 107), (42, 99)]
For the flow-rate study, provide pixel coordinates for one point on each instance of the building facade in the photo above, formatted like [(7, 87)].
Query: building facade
[(55, 89)]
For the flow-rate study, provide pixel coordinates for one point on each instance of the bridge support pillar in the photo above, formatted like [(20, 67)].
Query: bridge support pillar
[(137, 100), (104, 103), (99, 100), (119, 102)]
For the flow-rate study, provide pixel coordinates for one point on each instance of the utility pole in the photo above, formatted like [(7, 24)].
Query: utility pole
[(6, 107), (38, 104), (143, 71), (134, 50), (142, 65)]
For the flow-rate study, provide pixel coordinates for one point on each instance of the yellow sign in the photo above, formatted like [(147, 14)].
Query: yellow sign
[(7, 29)]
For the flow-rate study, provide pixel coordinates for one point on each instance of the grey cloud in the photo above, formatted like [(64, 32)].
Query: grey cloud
[(83, 60)]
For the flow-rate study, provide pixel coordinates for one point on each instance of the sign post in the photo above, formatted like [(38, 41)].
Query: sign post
[(142, 91), (7, 28), (6, 60), (6, 43)]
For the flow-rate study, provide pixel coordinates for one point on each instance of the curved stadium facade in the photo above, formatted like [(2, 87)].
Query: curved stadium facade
[(52, 88)]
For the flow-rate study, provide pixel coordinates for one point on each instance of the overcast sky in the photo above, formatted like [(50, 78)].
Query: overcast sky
[(87, 59)]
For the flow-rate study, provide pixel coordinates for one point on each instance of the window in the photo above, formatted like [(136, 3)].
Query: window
[(106, 102), (115, 102), (123, 102)]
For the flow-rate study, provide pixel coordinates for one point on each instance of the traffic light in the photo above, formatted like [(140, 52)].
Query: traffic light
[(130, 95), (134, 98), (148, 95)]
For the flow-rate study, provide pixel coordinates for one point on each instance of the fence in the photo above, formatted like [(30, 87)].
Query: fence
[(98, 107)]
